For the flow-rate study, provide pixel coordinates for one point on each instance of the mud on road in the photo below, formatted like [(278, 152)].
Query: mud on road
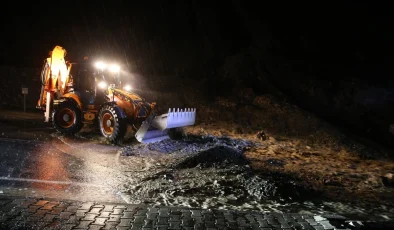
[(204, 170), (212, 172)]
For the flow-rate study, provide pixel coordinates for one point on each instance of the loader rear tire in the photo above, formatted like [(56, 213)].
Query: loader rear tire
[(67, 119), (112, 126)]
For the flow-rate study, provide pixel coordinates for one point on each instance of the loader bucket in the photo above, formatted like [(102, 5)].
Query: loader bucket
[(155, 128)]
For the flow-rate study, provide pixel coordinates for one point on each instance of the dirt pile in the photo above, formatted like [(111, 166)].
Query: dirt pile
[(302, 146), (261, 152), (206, 171), (218, 156), (188, 145)]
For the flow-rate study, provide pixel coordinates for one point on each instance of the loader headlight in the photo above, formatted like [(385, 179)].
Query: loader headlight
[(127, 87), (100, 65), (114, 68), (102, 84)]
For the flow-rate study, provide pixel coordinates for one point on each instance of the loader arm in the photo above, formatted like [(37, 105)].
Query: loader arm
[(54, 76), (153, 127)]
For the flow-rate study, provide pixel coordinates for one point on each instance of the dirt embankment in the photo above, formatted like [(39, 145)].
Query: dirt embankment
[(296, 143), (259, 152)]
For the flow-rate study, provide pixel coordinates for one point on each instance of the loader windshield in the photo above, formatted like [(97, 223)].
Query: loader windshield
[(108, 78), (107, 74)]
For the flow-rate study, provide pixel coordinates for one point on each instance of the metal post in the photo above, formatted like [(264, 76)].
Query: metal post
[(24, 103), (24, 92)]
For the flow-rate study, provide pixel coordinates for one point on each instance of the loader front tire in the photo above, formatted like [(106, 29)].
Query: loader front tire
[(112, 126), (67, 119)]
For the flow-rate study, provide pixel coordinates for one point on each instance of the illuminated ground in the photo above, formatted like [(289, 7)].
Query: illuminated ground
[(217, 165)]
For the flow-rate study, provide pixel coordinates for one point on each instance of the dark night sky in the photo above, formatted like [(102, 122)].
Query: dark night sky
[(118, 29), (323, 55), (157, 33), (80, 28)]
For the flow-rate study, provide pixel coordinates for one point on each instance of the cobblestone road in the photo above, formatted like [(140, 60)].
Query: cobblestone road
[(50, 214)]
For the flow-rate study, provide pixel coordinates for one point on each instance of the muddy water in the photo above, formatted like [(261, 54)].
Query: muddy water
[(211, 172)]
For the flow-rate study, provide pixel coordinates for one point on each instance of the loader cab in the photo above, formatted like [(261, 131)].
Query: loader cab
[(85, 83), (82, 77)]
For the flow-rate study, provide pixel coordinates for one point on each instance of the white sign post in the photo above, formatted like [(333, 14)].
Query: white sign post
[(25, 91)]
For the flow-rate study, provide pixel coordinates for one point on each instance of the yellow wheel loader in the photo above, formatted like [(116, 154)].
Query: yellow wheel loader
[(74, 94)]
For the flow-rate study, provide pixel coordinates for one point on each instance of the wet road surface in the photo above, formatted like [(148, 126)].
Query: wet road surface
[(38, 162), (46, 169)]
